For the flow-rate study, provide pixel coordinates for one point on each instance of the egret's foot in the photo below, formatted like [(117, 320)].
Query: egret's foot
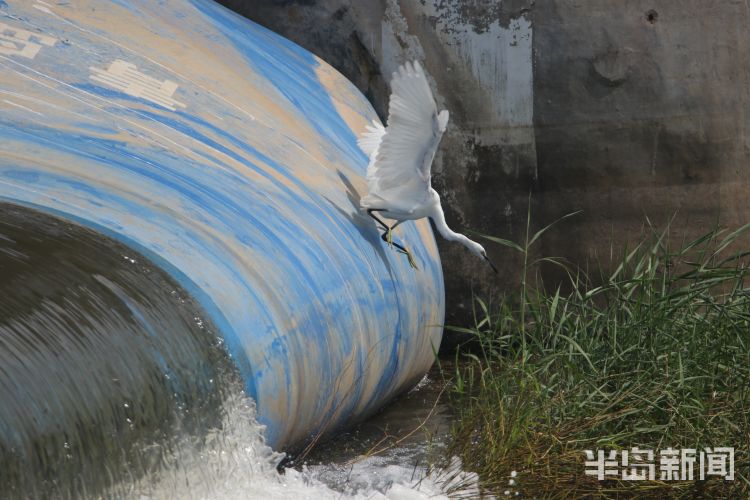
[(412, 263), (386, 236), (408, 254)]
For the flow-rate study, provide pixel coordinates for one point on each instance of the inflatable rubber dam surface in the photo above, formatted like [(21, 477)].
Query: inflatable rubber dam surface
[(180, 228)]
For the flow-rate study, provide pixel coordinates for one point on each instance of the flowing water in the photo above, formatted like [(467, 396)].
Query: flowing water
[(114, 384)]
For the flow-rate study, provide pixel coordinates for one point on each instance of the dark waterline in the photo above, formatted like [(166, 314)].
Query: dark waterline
[(102, 355)]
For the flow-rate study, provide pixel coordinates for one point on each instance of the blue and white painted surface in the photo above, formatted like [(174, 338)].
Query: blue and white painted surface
[(226, 154)]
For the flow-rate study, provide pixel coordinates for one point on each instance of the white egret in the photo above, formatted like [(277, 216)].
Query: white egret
[(401, 154)]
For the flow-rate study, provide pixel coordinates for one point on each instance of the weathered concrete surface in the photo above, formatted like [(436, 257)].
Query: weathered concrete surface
[(640, 111), (624, 110)]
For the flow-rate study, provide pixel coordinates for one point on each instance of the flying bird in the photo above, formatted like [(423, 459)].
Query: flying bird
[(401, 154)]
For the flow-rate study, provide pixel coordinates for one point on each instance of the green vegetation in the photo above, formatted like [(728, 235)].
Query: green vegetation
[(654, 355)]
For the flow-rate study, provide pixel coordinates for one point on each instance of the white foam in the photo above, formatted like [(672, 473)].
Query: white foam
[(235, 463)]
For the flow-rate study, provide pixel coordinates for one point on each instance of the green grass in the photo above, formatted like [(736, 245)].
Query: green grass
[(654, 354)]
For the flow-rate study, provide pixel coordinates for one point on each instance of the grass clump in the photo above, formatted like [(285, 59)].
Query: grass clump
[(655, 354)]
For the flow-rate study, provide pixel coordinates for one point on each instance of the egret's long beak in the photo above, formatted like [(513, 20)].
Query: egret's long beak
[(491, 264)]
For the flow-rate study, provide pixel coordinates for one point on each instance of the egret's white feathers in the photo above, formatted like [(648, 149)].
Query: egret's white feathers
[(401, 155), (398, 175), (370, 139)]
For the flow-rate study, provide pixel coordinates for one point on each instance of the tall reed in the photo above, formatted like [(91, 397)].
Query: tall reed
[(653, 354)]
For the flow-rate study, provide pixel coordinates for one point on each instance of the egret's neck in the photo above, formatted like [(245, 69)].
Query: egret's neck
[(438, 217)]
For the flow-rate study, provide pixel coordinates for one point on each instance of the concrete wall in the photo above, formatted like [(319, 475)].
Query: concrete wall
[(621, 109)]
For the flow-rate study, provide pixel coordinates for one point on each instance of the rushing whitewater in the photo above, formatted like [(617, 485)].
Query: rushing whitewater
[(234, 463)]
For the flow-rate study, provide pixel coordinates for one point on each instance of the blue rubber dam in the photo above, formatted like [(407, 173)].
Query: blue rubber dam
[(226, 156)]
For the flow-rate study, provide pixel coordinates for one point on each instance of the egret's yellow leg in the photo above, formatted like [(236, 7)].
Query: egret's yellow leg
[(412, 263), (409, 256), (387, 236)]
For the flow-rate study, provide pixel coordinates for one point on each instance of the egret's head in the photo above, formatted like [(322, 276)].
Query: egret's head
[(479, 251)]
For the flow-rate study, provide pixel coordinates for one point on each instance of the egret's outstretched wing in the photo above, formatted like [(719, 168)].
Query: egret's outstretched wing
[(398, 175)]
